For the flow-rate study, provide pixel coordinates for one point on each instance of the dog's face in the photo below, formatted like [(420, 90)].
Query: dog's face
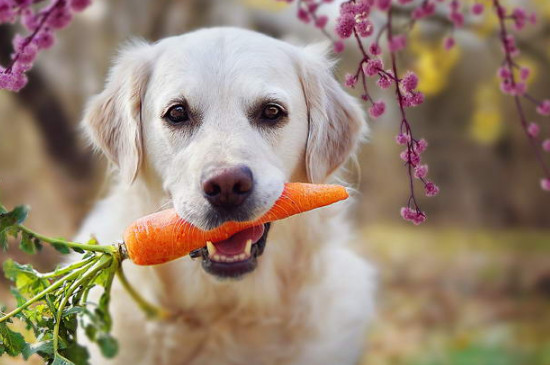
[(224, 117)]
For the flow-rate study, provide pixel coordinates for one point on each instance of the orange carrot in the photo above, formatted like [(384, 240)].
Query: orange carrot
[(164, 236)]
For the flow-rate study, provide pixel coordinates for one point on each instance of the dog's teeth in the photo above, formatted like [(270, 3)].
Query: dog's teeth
[(211, 248), (216, 257), (242, 256), (248, 248)]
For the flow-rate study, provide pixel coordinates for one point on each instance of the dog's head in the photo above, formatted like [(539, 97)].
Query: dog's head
[(224, 117)]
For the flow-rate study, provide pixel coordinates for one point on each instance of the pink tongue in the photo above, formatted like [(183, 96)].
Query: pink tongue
[(236, 244)]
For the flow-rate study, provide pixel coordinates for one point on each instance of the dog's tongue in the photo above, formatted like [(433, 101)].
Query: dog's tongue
[(236, 244)]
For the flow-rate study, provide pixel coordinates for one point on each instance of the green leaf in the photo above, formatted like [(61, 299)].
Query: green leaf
[(72, 310), (77, 354), (27, 243), (108, 345), (26, 279), (20, 213), (78, 250), (11, 342), (42, 348), (61, 248), (3, 241), (60, 360), (92, 241)]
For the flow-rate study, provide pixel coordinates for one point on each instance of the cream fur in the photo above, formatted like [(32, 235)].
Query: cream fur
[(311, 297)]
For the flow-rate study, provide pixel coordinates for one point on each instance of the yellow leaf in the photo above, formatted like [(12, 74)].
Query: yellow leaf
[(433, 64), (486, 125)]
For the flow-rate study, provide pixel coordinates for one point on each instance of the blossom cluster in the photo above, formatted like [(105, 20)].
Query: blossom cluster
[(41, 24), (513, 82), (355, 22)]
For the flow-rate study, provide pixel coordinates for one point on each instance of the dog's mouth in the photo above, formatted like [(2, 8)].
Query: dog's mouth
[(235, 256)]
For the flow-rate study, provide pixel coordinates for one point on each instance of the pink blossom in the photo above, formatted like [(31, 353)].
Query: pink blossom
[(544, 107), (402, 139), (7, 14), (545, 184), (383, 4), (29, 19), (546, 145), (384, 82), (351, 80), (79, 5), (344, 25), (421, 145), (477, 8), (520, 88), (520, 18), (321, 21), (431, 189), (421, 171), (410, 81), (60, 17), (303, 15), (377, 109), (524, 73), (375, 49), (12, 81), (413, 99), (411, 215), (448, 43), (411, 157), (312, 7), (504, 72), (507, 88), (397, 43), (364, 28), (362, 7), (338, 47), (533, 130), (28, 54), (425, 9), (372, 66), (457, 19)]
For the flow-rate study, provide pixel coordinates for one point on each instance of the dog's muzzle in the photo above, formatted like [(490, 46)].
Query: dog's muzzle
[(235, 256)]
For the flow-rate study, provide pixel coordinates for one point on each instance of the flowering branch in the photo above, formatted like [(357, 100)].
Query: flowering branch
[(511, 86), (41, 24), (354, 22)]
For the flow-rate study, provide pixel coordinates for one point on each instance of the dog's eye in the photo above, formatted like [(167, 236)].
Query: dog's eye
[(177, 114), (272, 113)]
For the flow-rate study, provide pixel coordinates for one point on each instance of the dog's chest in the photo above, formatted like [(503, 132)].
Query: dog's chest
[(231, 337)]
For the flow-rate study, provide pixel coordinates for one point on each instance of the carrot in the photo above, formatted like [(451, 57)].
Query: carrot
[(164, 236)]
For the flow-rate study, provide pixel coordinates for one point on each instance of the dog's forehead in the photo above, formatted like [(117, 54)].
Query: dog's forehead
[(231, 62)]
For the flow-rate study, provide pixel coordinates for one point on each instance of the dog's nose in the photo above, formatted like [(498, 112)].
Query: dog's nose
[(227, 187)]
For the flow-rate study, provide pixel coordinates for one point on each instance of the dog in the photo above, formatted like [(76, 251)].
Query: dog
[(213, 123)]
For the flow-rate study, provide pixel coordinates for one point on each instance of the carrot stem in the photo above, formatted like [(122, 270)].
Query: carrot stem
[(151, 311)]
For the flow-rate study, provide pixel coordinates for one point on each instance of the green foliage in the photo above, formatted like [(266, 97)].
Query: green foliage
[(52, 305)]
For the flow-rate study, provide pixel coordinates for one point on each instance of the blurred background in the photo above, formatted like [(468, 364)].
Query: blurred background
[(470, 286)]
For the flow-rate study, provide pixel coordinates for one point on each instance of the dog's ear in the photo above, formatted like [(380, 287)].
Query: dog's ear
[(336, 120), (112, 119)]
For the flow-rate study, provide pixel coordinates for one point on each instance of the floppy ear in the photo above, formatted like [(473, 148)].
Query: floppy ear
[(112, 119), (336, 120)]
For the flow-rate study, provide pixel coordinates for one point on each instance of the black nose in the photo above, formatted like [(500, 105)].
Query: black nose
[(227, 187)]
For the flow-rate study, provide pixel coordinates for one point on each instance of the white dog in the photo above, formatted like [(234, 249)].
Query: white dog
[(214, 122)]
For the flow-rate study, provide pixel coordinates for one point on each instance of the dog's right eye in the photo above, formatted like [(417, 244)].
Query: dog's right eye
[(177, 114)]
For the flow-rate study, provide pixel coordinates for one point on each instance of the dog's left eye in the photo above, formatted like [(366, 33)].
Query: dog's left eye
[(272, 113), (177, 114)]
